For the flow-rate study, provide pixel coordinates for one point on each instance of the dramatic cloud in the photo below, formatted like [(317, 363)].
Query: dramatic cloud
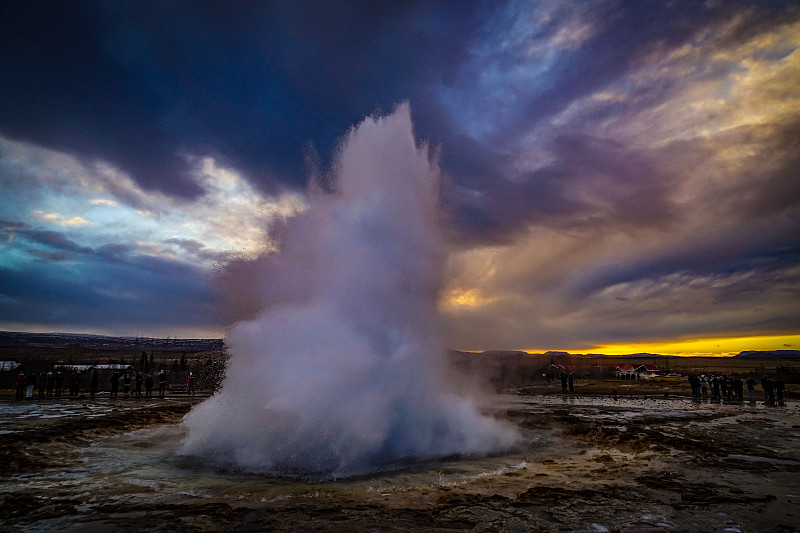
[(612, 171), (637, 214), (131, 259)]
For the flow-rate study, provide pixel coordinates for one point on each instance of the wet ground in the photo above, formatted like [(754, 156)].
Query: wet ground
[(584, 464)]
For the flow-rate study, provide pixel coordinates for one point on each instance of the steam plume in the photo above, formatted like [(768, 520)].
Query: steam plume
[(340, 374)]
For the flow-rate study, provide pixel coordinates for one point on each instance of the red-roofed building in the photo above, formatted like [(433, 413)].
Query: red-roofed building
[(628, 371)]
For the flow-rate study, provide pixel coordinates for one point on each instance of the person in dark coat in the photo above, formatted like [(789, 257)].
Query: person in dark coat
[(19, 384), (769, 391), (115, 384), (779, 387), (148, 385), (95, 382), (76, 383), (59, 382), (139, 380), (571, 383), (42, 383), (751, 388)]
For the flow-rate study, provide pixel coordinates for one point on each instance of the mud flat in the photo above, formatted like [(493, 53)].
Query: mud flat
[(584, 463)]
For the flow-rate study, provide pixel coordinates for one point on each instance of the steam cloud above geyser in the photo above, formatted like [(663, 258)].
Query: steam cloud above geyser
[(340, 374)]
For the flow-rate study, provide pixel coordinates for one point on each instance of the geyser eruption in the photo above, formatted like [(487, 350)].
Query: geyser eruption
[(340, 374)]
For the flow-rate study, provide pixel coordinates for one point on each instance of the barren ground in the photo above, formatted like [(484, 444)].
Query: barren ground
[(655, 462)]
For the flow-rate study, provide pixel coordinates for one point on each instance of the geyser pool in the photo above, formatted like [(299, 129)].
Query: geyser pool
[(341, 374)]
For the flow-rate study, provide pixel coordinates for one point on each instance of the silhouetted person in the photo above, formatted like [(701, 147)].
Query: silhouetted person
[(769, 391), (95, 384), (76, 383), (190, 384), (695, 382), (19, 385), (571, 382), (148, 385), (59, 382), (751, 388), (563, 382), (766, 384), (51, 383), (779, 389), (42, 383), (139, 384), (126, 384), (115, 384), (162, 383)]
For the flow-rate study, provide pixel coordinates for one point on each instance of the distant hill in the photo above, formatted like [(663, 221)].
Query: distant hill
[(495, 353), (589, 355), (63, 340), (553, 354), (771, 354)]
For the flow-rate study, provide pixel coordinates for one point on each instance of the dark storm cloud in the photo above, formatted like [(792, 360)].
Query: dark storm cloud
[(491, 198), (583, 141), (628, 32), (778, 190), (591, 182), (108, 296), (54, 239), (140, 83), (48, 245), (57, 241), (725, 257)]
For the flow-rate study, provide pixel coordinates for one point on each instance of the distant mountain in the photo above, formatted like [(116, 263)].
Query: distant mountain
[(569, 354), (771, 354), (554, 353), (63, 340), (495, 353), (643, 354)]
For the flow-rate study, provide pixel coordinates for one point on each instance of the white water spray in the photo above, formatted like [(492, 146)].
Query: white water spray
[(340, 374)]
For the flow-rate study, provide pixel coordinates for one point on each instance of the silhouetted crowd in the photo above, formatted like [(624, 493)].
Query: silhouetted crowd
[(52, 384), (731, 388), (567, 380)]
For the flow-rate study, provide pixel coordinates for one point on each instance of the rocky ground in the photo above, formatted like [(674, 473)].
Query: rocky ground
[(585, 464)]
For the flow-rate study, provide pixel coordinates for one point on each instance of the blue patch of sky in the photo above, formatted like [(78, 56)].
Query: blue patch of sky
[(505, 72)]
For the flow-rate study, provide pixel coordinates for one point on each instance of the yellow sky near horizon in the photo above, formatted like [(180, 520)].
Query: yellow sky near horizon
[(711, 347)]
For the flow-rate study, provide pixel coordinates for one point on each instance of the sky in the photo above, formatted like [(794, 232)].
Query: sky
[(615, 175)]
